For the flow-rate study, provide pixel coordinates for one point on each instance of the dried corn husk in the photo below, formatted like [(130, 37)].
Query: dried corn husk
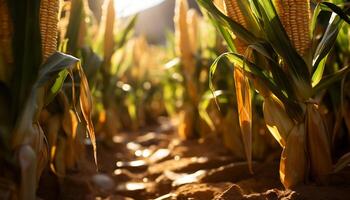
[(53, 125), (220, 4), (244, 107), (28, 165), (231, 134), (59, 164), (186, 122), (183, 48), (318, 143), (293, 164), (277, 120), (109, 20), (40, 147), (192, 22)]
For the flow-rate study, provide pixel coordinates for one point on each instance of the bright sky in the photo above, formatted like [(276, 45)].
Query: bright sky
[(126, 8)]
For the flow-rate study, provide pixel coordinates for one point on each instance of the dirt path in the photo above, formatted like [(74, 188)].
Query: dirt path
[(155, 164)]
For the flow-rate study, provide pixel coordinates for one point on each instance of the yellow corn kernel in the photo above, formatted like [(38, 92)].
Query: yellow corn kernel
[(295, 16), (235, 13), (49, 10)]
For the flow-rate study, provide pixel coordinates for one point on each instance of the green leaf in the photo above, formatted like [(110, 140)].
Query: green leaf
[(236, 28), (340, 12), (73, 29), (253, 71), (314, 18), (328, 40), (56, 87), (203, 113), (317, 76), (26, 50), (54, 64), (225, 34), (205, 102), (279, 40), (279, 76), (327, 81), (91, 63), (125, 33)]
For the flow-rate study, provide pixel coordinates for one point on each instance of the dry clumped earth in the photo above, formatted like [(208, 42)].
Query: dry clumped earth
[(155, 164)]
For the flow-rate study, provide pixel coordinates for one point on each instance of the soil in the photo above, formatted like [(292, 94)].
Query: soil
[(156, 164)]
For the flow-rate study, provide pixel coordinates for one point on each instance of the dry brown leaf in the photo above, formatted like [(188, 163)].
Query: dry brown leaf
[(244, 106), (28, 164), (86, 108)]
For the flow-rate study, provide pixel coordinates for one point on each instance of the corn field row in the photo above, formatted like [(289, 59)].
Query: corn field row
[(268, 78)]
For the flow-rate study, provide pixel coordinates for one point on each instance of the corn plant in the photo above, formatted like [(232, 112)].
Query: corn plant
[(187, 77), (32, 76), (284, 61)]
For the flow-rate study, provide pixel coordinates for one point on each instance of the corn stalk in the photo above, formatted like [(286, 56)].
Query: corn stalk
[(36, 66), (288, 80)]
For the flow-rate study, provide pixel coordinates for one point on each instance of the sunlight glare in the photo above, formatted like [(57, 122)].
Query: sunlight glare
[(126, 8)]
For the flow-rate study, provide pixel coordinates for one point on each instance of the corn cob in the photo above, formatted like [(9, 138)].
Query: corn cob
[(49, 10), (293, 164), (318, 144), (235, 13), (295, 16), (6, 30)]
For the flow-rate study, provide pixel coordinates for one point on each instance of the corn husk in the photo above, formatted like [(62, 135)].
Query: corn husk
[(109, 21), (186, 122), (220, 4), (244, 106), (28, 165), (277, 120), (40, 147), (318, 142), (231, 134), (53, 125), (293, 164), (192, 22)]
